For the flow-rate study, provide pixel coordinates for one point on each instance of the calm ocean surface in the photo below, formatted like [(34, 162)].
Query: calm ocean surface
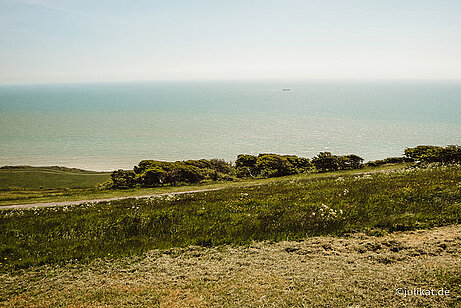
[(110, 126)]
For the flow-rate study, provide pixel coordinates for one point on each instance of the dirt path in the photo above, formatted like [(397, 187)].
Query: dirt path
[(64, 203)]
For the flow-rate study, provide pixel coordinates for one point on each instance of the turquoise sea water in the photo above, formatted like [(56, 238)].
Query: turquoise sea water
[(110, 126)]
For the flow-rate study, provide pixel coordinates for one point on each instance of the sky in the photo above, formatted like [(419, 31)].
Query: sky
[(59, 41)]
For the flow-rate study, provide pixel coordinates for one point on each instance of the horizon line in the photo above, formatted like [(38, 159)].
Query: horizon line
[(236, 80)]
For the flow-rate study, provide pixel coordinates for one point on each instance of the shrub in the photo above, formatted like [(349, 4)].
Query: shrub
[(153, 177), (150, 173), (246, 165), (350, 162), (452, 154), (301, 164), (325, 161), (123, 179), (221, 166), (273, 165), (389, 160), (201, 163), (428, 153), (270, 165), (144, 165), (213, 169), (184, 173)]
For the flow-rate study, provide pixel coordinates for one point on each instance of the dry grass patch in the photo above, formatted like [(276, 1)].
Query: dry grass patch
[(357, 271)]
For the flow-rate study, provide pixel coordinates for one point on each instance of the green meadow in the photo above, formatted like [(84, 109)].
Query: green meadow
[(26, 184), (288, 208), (23, 185), (32, 178)]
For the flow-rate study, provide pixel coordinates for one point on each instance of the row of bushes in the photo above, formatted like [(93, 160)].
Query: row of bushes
[(273, 165), (325, 161), (450, 154), (151, 173), (270, 165)]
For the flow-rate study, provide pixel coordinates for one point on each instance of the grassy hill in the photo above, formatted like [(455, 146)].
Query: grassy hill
[(322, 239), (27, 177), (276, 209), (35, 194)]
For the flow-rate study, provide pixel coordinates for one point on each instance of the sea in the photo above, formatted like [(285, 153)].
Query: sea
[(108, 126)]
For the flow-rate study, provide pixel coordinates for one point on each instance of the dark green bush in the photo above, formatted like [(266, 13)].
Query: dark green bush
[(301, 164), (184, 173), (451, 154), (123, 179), (270, 165), (351, 161), (427, 153), (154, 176), (325, 161), (389, 160), (273, 165), (245, 165), (151, 173)]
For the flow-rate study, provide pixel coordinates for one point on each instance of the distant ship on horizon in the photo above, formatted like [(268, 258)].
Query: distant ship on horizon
[(286, 89)]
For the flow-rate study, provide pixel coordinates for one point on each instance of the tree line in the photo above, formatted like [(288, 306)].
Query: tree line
[(154, 173)]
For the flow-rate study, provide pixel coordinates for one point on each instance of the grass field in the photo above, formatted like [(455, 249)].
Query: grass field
[(32, 193), (280, 209), (298, 241), (353, 271), (33, 178)]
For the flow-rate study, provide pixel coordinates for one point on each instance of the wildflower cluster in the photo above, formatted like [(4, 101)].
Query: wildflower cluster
[(326, 213)]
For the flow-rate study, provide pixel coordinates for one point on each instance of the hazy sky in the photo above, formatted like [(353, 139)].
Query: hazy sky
[(45, 41)]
